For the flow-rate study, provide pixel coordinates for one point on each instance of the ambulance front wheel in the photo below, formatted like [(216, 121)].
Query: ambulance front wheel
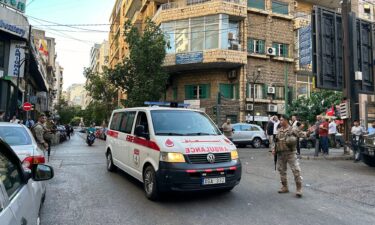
[(150, 183)]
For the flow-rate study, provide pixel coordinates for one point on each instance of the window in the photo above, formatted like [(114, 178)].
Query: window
[(229, 90), (115, 122), (10, 175), (197, 34), (279, 93), (367, 8), (175, 94), (259, 92), (281, 49), (201, 91), (2, 54), (236, 127), (182, 36), (127, 122), (212, 32), (15, 136), (258, 4), (280, 7), (245, 127), (182, 123), (255, 46), (254, 128), (142, 120)]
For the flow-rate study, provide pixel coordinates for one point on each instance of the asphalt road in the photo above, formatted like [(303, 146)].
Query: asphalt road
[(84, 193)]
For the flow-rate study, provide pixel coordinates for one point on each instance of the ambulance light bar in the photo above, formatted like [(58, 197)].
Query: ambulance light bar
[(167, 104)]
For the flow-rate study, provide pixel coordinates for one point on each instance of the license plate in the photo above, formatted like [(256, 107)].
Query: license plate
[(216, 180)]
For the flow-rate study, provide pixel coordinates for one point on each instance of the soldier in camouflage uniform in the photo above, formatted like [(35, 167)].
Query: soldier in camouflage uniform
[(39, 131), (285, 148)]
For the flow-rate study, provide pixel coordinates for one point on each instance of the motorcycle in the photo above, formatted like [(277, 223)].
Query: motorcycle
[(90, 138)]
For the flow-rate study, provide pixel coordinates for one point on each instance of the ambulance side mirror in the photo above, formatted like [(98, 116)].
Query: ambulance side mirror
[(140, 132)]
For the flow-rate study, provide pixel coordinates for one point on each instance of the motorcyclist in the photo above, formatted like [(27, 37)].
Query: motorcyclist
[(90, 130)]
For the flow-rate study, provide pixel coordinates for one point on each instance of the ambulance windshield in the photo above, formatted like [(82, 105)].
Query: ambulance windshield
[(182, 123)]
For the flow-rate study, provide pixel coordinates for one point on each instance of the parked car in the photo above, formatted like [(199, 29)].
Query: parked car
[(368, 150), (249, 134), (21, 198), (309, 142), (22, 141), (101, 133)]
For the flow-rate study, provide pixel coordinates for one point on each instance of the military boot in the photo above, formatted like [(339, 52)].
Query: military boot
[(299, 189), (284, 187)]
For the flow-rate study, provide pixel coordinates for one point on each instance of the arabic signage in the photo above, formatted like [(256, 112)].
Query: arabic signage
[(188, 58), (305, 46), (14, 23), (16, 59), (19, 5)]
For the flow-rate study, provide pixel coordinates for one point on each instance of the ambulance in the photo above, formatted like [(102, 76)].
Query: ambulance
[(171, 149)]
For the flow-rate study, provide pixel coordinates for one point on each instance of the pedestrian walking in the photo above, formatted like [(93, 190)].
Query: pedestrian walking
[(38, 131), (285, 150), (295, 124), (30, 123), (228, 129), (332, 131), (317, 139), (67, 129), (357, 133), (323, 136)]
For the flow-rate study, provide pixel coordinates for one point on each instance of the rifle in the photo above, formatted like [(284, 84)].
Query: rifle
[(275, 155)]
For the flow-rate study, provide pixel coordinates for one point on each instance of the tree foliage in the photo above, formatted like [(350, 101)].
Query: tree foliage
[(308, 108), (141, 74), (103, 94)]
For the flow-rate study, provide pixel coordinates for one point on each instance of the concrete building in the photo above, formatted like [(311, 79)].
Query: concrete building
[(21, 56), (99, 59), (59, 83), (76, 95)]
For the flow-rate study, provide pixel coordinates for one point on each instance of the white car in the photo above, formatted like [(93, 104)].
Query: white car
[(171, 149), (20, 201), (22, 141), (249, 134)]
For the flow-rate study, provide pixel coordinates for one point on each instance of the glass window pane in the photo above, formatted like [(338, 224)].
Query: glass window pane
[(10, 175), (224, 19), (259, 4), (212, 19), (197, 38), (280, 7), (212, 36), (182, 39), (15, 136)]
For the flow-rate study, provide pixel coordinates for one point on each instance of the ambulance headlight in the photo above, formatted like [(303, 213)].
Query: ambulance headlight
[(172, 157), (234, 155)]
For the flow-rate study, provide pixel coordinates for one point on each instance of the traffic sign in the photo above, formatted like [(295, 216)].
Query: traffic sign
[(27, 106)]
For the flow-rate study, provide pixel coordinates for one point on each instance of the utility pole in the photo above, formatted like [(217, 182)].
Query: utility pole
[(255, 79), (349, 92)]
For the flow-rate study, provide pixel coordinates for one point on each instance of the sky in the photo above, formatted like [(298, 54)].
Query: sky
[(72, 48)]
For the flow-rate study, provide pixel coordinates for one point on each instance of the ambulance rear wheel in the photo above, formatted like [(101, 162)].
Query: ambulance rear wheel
[(150, 184)]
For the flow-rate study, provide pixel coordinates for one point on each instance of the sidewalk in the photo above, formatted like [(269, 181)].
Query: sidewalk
[(334, 154)]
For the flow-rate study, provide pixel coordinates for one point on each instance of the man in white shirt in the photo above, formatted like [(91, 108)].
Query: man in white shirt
[(14, 120), (357, 131), (332, 131), (295, 124)]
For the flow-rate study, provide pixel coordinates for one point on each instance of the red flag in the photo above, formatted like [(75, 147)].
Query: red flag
[(330, 111)]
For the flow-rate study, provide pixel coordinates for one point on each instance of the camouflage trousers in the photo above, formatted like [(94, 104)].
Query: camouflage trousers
[(288, 157)]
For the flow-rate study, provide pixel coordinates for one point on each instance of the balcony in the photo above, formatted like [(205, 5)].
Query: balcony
[(206, 59), (196, 8)]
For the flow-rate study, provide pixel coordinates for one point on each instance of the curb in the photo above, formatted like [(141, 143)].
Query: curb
[(333, 158)]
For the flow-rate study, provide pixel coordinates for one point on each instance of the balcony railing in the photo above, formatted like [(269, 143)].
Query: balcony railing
[(176, 5)]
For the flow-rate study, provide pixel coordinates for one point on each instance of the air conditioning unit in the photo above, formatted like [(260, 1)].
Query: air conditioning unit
[(272, 108), (271, 90), (249, 107), (271, 51), (235, 46), (232, 36), (232, 74)]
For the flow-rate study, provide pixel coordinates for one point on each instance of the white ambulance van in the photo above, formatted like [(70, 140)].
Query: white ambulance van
[(171, 149)]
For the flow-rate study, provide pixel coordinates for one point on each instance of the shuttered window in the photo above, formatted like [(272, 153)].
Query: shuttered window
[(256, 46), (201, 91), (282, 50)]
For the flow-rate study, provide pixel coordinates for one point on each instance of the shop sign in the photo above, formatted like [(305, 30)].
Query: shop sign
[(188, 58), (19, 5), (305, 46), (16, 59), (13, 23)]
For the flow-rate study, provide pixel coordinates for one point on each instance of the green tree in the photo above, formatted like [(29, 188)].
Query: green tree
[(141, 74), (308, 108), (103, 94)]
